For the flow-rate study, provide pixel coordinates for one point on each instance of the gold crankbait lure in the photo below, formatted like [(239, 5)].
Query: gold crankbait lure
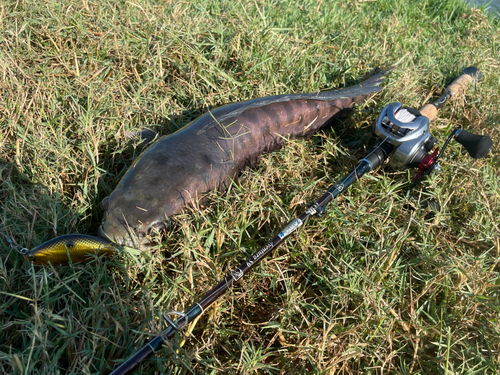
[(78, 246)]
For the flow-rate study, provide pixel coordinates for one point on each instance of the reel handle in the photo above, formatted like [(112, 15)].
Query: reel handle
[(457, 87), (476, 145)]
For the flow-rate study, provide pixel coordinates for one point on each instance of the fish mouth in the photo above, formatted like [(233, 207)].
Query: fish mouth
[(134, 239), (130, 240)]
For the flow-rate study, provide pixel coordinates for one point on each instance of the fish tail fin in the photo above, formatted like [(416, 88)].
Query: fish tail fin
[(364, 89), (378, 77)]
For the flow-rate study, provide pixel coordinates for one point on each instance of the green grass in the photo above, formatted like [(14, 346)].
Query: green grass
[(370, 287)]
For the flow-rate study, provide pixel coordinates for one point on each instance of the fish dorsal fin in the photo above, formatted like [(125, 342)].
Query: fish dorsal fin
[(367, 87)]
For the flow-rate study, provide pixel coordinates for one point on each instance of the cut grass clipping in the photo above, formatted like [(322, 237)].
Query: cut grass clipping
[(369, 287)]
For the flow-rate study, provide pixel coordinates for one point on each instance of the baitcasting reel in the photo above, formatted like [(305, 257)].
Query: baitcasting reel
[(408, 131)]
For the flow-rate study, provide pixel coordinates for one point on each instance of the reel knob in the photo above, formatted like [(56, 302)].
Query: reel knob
[(477, 146)]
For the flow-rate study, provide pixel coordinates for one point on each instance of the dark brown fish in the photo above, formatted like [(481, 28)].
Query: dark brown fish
[(211, 151)]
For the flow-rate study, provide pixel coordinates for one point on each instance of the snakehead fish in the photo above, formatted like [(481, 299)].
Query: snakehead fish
[(211, 151)]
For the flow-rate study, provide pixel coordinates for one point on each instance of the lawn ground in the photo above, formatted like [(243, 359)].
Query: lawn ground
[(370, 287)]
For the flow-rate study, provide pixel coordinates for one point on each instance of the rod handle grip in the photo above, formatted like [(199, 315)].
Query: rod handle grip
[(457, 87), (429, 110), (470, 74)]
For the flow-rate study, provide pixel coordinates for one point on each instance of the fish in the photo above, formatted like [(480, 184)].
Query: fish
[(210, 152), (78, 247)]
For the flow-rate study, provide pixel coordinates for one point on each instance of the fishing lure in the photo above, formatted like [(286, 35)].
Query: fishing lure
[(77, 247)]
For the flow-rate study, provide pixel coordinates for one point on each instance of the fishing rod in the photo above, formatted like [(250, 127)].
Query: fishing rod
[(404, 133)]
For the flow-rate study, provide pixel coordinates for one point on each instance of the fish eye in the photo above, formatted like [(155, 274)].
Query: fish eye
[(31, 257)]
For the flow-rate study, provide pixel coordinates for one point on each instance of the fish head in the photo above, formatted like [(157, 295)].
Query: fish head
[(154, 188), (132, 218)]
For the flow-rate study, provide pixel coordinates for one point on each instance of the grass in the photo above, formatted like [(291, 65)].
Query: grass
[(368, 288)]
